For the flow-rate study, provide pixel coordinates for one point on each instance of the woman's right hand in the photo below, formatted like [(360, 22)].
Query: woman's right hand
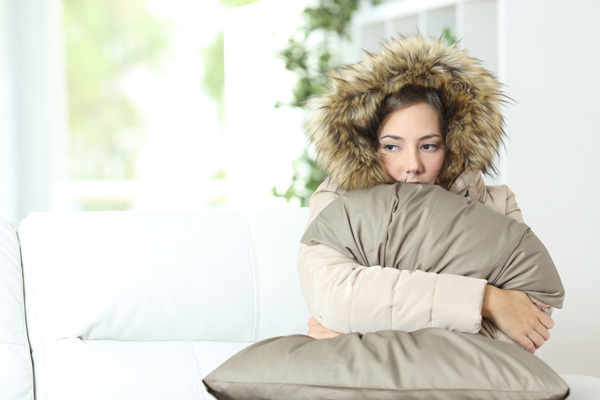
[(515, 314)]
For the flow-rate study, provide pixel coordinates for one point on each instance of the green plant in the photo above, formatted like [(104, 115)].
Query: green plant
[(310, 53), (448, 37)]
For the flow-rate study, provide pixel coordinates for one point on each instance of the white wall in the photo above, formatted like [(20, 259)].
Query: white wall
[(551, 66)]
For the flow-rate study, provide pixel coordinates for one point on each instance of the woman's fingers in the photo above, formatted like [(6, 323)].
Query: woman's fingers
[(539, 303), (537, 331), (534, 336), (318, 331), (536, 339), (543, 327), (518, 317), (546, 320), (526, 343), (543, 332)]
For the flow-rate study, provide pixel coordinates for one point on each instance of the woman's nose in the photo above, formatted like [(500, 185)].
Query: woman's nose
[(413, 163)]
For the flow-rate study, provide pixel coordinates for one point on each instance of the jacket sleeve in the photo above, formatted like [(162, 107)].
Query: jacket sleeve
[(347, 297)]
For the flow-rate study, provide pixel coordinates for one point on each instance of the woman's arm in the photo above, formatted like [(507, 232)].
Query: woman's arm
[(511, 310), (346, 297), (522, 318)]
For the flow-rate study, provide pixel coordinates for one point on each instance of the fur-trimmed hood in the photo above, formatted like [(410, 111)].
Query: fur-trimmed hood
[(342, 120)]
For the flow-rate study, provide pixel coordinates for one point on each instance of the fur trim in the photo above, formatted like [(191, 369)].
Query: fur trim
[(343, 122)]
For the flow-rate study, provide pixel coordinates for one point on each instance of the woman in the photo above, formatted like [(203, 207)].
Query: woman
[(418, 112)]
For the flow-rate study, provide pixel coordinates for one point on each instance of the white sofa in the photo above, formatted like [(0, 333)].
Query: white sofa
[(132, 305)]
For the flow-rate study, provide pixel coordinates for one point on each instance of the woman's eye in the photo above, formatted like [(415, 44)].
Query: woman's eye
[(390, 147), (430, 147)]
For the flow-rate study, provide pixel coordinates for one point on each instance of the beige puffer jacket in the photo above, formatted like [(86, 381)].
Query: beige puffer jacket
[(342, 125), (347, 297)]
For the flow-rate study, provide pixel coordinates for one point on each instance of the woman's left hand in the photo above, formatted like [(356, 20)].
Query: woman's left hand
[(518, 316), (318, 331)]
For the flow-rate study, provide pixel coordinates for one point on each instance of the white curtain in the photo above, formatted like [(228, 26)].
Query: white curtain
[(33, 106)]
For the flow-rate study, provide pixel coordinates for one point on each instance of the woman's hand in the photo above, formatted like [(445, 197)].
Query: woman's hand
[(515, 314), (318, 331)]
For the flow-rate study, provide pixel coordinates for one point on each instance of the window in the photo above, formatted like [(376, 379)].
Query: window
[(105, 106)]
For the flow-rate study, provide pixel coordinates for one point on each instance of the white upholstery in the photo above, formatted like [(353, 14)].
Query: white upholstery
[(118, 304), (16, 377), (128, 305), (583, 387)]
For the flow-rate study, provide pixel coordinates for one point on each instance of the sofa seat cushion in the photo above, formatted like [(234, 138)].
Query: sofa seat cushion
[(75, 369)]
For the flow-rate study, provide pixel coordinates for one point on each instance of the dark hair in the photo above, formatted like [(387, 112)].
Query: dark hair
[(410, 95)]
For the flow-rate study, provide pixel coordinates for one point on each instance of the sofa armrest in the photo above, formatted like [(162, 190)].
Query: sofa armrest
[(16, 376)]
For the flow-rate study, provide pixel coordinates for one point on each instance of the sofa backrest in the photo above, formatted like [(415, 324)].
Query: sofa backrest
[(133, 305), (16, 375)]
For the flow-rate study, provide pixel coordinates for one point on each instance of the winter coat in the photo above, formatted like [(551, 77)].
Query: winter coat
[(333, 284), (342, 294)]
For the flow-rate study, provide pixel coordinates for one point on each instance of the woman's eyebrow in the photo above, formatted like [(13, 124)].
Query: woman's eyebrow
[(433, 135), (392, 137)]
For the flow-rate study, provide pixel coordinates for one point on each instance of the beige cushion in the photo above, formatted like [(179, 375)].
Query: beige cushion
[(427, 364), (424, 227)]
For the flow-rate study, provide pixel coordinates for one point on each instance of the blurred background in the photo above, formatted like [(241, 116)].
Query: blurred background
[(120, 105), (196, 105)]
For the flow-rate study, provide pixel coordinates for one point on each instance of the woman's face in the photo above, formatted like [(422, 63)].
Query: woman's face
[(412, 144)]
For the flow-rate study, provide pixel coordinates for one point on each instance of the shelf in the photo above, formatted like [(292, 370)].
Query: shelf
[(472, 22)]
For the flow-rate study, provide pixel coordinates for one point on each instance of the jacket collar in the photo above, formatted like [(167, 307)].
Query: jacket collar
[(470, 184)]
